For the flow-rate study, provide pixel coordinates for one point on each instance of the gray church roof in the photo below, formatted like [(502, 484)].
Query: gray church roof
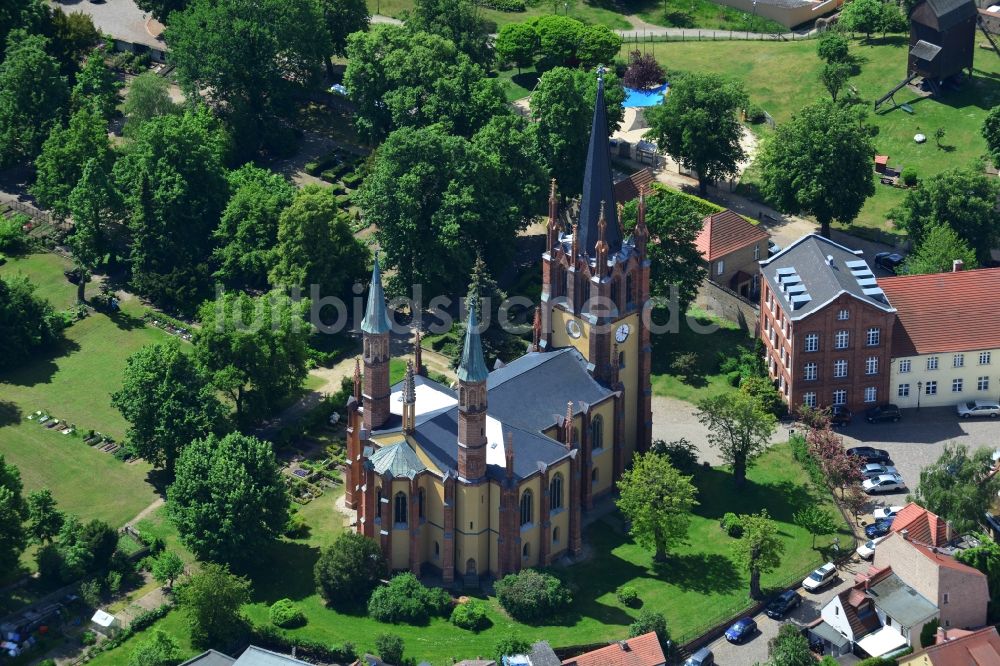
[(472, 366), (376, 319), (598, 184), (813, 271)]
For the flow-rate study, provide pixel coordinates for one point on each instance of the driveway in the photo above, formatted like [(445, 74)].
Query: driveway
[(121, 19), (754, 651)]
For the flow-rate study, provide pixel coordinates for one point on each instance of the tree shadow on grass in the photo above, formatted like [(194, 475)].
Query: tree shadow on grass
[(10, 413), (126, 322), (278, 572), (705, 573), (527, 80), (42, 366), (718, 495)]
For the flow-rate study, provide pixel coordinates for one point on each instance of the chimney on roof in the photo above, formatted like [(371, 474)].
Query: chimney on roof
[(829, 260), (957, 265), (623, 645), (905, 534)]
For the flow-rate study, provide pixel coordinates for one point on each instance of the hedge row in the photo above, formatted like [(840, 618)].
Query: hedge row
[(801, 453), (272, 638), (504, 5)]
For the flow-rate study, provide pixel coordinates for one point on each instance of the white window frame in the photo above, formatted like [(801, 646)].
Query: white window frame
[(958, 361), (810, 371), (843, 315), (809, 399), (756, 251), (932, 362), (985, 358), (842, 339), (871, 394), (840, 368), (840, 397), (812, 342), (720, 267), (930, 388), (983, 383), (957, 385), (871, 365), (904, 365), (873, 335), (903, 391)]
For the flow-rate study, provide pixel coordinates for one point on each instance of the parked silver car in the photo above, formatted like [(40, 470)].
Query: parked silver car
[(978, 408)]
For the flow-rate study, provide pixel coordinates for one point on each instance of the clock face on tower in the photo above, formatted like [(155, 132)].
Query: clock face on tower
[(573, 329), (621, 334)]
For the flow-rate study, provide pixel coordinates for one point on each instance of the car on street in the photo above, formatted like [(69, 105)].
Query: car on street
[(772, 248), (882, 413), (889, 261), (887, 483), (876, 469), (867, 550), (702, 657), (783, 604), (840, 416), (742, 629), (978, 408), (886, 512), (820, 578), (870, 455), (879, 528)]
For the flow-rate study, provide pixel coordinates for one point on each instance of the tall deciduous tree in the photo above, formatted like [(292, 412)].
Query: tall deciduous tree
[(16, 14), (433, 241), (161, 9), (148, 97), (834, 76), (516, 43), (248, 230), (643, 71), (254, 349), (65, 153), (249, 59), (558, 38), (986, 558), (28, 321), (44, 518), (212, 601), (862, 16), (173, 184), (96, 86), (940, 247), (598, 45), (167, 568), (563, 106), (71, 36), (958, 486), (964, 199), (97, 209), (316, 246), (815, 520), (739, 427), (349, 569), (159, 649), (832, 46), (13, 511), (458, 21), (400, 78), (657, 500), (820, 162), (759, 549), (168, 401), (789, 648), (343, 17), (228, 500), (511, 144), (33, 97), (991, 132), (697, 125)]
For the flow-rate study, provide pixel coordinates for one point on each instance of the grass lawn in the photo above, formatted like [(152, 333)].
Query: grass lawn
[(782, 77), (705, 14), (707, 381), (518, 84), (588, 11), (696, 587), (174, 625)]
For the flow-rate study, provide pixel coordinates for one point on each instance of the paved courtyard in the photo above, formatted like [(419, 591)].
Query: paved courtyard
[(119, 18)]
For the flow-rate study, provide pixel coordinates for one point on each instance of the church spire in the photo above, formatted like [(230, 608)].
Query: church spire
[(376, 319), (409, 399), (598, 185), (472, 367)]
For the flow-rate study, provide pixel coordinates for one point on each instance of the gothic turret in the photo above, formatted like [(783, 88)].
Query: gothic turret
[(472, 376), (409, 400), (375, 330), (598, 184)]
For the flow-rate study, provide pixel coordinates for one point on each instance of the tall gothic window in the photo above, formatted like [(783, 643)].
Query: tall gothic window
[(421, 501), (597, 433), (629, 291), (526, 508), (556, 492), (400, 513)]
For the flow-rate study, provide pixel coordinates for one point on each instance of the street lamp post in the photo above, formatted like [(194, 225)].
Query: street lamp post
[(920, 389)]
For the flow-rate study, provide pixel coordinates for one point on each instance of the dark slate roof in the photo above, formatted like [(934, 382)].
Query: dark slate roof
[(945, 13), (803, 281), (925, 50), (210, 658), (376, 319), (598, 184), (255, 656), (542, 654), (472, 366)]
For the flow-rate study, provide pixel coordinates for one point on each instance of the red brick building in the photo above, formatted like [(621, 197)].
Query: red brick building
[(826, 326)]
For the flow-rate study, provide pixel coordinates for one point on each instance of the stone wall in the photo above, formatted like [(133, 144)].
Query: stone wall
[(723, 302)]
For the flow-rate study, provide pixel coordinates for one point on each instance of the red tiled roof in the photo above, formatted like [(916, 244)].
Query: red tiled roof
[(639, 651), (947, 561), (929, 306), (979, 648), (853, 600), (725, 232), (628, 188), (922, 525)]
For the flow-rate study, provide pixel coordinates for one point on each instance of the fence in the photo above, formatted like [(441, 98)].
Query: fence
[(694, 35)]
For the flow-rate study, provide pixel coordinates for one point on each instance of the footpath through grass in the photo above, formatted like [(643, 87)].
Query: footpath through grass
[(782, 77), (698, 586)]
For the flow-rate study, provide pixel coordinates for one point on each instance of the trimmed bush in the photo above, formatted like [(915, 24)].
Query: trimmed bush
[(504, 5), (390, 648), (471, 615), (627, 595), (650, 621), (909, 176), (531, 595), (755, 114), (732, 525), (285, 614), (406, 599), (352, 180)]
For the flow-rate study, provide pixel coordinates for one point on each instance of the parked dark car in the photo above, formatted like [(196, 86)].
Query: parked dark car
[(741, 630), (890, 261), (870, 455), (840, 416), (782, 604), (882, 413), (878, 528), (702, 657)]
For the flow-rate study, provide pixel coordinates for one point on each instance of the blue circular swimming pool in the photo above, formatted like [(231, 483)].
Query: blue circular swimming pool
[(649, 97)]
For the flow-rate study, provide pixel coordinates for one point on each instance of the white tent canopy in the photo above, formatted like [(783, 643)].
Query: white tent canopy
[(883, 641), (102, 619)]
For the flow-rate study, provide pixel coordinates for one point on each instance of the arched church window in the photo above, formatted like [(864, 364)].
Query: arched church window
[(629, 291), (556, 492), (526, 551), (555, 535), (421, 501), (400, 513), (597, 433), (526, 507)]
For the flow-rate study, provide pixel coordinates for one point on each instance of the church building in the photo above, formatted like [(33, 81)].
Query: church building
[(496, 475)]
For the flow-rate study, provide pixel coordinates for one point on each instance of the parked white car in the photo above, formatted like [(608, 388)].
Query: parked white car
[(866, 551), (886, 512), (978, 408), (887, 483), (876, 469), (820, 578)]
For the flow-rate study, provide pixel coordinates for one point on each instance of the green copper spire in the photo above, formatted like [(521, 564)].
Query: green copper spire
[(473, 366), (376, 319)]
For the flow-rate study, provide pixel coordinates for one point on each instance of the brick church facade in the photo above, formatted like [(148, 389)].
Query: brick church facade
[(495, 476)]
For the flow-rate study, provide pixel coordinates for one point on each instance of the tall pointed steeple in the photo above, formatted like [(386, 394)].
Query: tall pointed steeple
[(598, 184), (376, 319), (472, 367)]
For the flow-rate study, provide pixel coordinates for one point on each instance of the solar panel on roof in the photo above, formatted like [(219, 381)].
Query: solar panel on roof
[(868, 281), (874, 291), (784, 271), (856, 263)]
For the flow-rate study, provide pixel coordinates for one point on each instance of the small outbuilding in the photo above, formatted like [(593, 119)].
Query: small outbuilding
[(942, 39)]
